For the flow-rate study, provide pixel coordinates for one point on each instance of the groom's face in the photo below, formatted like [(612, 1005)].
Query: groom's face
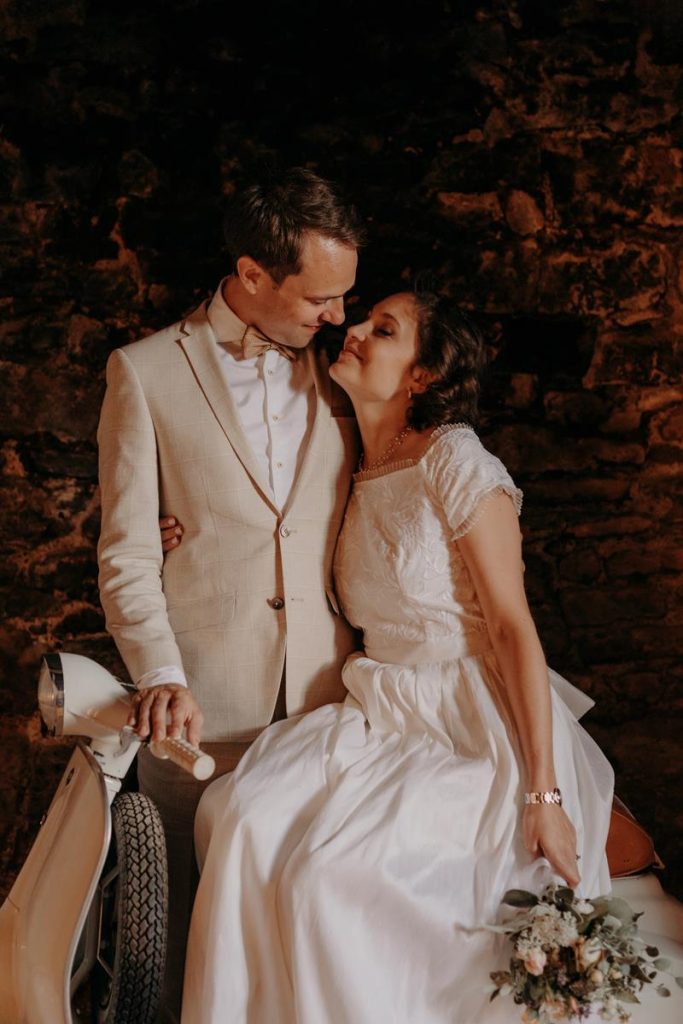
[(293, 311)]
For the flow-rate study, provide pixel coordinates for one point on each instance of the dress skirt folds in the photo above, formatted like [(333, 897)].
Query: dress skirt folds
[(353, 861)]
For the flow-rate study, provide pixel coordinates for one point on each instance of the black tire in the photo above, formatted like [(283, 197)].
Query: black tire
[(134, 914)]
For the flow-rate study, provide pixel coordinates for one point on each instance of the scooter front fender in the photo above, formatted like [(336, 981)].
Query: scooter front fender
[(43, 916)]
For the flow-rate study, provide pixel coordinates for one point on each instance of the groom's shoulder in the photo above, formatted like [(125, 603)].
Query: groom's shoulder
[(164, 342)]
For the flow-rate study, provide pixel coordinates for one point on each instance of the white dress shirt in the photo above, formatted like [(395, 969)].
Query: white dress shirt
[(275, 399)]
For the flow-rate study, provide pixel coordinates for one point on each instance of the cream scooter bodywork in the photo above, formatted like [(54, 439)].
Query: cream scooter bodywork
[(44, 914), (42, 920)]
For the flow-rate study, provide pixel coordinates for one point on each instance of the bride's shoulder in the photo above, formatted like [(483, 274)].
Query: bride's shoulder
[(453, 442), (456, 451)]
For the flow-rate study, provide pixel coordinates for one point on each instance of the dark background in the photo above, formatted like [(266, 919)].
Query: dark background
[(531, 152)]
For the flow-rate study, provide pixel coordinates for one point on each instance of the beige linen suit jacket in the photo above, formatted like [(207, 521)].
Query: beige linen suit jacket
[(250, 584)]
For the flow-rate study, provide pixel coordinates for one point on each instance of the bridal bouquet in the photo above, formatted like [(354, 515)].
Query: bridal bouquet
[(573, 956)]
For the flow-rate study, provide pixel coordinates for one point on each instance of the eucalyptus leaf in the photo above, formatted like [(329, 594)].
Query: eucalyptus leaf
[(679, 982), (599, 910), (662, 963), (662, 990), (520, 898), (620, 909), (613, 923), (652, 951), (628, 997)]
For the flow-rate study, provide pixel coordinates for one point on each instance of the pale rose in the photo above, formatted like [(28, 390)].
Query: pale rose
[(610, 1009), (588, 953), (535, 961), (584, 906), (596, 977), (554, 1010)]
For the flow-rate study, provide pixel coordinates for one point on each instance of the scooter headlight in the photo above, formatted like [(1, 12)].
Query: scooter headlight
[(51, 694)]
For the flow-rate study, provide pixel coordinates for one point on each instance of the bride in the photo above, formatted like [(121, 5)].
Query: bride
[(353, 861)]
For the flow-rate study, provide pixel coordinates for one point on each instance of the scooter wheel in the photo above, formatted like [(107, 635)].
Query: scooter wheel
[(134, 914)]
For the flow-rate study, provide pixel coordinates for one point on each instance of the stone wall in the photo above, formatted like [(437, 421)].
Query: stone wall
[(531, 152)]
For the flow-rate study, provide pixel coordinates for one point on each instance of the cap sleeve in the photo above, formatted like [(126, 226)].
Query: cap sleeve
[(463, 476)]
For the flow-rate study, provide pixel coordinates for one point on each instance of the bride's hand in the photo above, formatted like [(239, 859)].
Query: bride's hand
[(549, 833), (171, 533)]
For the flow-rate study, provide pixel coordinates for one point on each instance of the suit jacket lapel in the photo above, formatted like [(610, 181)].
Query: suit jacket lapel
[(198, 341), (323, 411)]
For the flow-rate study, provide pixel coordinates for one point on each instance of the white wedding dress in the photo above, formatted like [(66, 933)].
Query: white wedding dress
[(352, 862)]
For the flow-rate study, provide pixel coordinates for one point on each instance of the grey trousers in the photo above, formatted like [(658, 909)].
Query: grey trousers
[(176, 794)]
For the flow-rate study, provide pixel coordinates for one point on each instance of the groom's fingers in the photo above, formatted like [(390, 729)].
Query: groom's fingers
[(165, 710), (194, 728), (139, 715), (185, 713), (158, 713)]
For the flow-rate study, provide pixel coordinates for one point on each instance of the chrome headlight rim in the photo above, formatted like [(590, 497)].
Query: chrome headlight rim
[(53, 670)]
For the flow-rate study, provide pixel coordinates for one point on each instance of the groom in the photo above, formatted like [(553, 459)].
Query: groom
[(228, 420)]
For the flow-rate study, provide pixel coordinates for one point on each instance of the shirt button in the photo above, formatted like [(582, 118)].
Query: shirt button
[(271, 372), (275, 417), (279, 465), (277, 603), (284, 531)]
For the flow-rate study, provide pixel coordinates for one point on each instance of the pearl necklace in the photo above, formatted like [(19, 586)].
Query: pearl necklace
[(395, 443)]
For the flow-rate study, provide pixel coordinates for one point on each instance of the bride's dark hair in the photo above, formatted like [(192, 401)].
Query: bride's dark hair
[(451, 346)]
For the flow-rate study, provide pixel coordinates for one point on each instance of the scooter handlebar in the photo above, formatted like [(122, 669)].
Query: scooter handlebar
[(185, 755)]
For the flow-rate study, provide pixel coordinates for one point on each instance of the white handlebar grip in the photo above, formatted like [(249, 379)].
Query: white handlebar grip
[(192, 759)]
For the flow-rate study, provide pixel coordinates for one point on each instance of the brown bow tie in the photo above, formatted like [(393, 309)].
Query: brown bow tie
[(254, 344)]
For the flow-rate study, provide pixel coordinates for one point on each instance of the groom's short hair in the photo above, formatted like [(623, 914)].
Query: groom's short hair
[(269, 219)]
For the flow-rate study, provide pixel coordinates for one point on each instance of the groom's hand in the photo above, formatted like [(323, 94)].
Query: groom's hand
[(165, 710)]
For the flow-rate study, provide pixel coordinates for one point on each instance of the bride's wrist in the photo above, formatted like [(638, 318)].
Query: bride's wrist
[(540, 797), (539, 778)]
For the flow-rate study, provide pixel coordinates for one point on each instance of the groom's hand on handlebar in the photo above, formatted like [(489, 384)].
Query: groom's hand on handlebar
[(165, 710)]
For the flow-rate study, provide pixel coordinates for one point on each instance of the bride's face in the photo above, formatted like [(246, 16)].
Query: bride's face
[(379, 357)]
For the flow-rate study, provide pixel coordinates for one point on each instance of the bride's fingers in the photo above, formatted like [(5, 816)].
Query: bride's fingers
[(563, 861), (533, 846), (171, 536), (567, 871), (549, 833)]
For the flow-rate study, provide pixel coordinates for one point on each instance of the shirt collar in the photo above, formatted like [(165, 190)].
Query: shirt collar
[(226, 324)]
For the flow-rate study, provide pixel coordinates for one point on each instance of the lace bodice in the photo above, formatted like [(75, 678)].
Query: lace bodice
[(399, 575)]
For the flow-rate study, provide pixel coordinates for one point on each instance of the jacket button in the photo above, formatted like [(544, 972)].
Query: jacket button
[(277, 603), (284, 531)]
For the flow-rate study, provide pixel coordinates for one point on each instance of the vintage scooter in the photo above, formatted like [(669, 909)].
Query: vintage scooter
[(83, 930)]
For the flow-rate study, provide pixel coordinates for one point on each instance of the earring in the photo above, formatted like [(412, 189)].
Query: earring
[(410, 393)]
